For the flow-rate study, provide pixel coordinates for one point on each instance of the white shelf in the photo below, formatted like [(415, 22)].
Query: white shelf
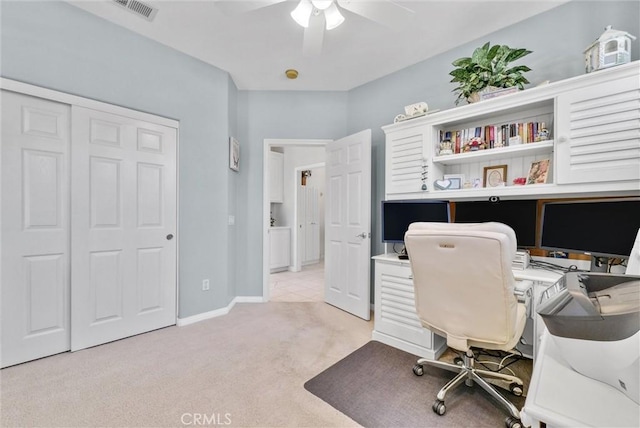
[(539, 147)]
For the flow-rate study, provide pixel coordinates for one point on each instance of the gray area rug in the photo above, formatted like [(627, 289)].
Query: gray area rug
[(376, 387)]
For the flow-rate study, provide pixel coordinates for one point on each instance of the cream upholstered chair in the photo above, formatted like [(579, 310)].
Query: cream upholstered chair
[(464, 291)]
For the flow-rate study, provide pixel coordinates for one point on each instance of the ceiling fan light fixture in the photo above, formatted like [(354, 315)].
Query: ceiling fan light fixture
[(302, 13), (333, 17), (321, 4)]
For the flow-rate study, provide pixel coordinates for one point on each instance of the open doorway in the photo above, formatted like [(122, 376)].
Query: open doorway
[(296, 219)]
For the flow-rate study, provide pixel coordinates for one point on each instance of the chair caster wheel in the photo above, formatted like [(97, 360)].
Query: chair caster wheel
[(439, 407), (418, 370), (516, 389), (512, 422), (458, 361)]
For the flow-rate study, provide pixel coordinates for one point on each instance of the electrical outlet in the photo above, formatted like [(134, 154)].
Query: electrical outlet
[(205, 284)]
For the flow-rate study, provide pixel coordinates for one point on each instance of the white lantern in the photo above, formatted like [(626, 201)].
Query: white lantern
[(612, 48)]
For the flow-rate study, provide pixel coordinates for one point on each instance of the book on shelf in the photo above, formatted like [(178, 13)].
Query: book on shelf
[(495, 136)]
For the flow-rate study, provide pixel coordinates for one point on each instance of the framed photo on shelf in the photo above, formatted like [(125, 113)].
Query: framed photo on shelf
[(494, 176), (234, 154), (538, 172), (457, 180)]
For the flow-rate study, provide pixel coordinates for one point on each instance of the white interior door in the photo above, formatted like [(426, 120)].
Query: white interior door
[(311, 225), (348, 224), (123, 221), (35, 228)]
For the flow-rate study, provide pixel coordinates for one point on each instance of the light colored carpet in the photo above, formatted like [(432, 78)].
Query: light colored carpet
[(247, 368)]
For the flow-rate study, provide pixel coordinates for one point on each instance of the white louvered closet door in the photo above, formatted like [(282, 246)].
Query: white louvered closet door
[(598, 133), (123, 222), (35, 228)]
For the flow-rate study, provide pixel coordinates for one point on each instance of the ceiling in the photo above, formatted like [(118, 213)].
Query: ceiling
[(256, 47)]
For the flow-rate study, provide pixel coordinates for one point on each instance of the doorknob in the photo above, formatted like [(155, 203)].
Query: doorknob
[(169, 237), (363, 235)]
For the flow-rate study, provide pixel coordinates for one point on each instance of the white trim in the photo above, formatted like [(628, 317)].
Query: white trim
[(181, 322), (50, 94), (266, 203)]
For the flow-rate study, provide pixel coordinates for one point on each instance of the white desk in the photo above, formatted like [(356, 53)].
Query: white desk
[(561, 397), (396, 322)]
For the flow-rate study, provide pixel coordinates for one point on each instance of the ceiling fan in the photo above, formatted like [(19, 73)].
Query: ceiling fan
[(318, 16)]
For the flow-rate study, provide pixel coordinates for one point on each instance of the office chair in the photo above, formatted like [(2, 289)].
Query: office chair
[(633, 264), (464, 291)]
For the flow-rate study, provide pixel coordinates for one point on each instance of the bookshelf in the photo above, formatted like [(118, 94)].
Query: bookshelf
[(593, 141)]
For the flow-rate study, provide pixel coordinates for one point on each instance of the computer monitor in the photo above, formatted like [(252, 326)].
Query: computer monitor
[(398, 215), (602, 228), (520, 215)]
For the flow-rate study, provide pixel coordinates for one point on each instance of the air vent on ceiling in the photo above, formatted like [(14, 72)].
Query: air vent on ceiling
[(139, 8)]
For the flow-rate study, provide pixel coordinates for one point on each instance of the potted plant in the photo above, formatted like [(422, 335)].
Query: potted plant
[(488, 67)]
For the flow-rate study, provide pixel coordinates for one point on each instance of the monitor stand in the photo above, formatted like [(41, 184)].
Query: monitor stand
[(403, 254), (599, 264)]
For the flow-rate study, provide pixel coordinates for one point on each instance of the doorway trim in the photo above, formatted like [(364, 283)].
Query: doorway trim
[(266, 203)]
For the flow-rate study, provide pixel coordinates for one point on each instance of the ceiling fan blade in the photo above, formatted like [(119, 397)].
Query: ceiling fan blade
[(236, 7), (385, 12), (314, 36)]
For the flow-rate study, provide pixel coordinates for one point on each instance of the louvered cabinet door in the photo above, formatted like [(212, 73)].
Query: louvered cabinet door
[(598, 130), (405, 161)]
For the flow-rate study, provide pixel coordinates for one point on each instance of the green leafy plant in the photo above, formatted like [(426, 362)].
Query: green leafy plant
[(488, 66)]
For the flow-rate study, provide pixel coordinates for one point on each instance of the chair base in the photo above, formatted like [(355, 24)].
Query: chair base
[(468, 374)]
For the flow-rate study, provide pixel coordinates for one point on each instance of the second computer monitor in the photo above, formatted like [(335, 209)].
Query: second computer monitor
[(520, 215)]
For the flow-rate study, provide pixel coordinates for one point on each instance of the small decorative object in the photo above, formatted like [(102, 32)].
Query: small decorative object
[(412, 111), (442, 184), (273, 222), (543, 133), (417, 109), (538, 172), (234, 154), (495, 176), (613, 47), (476, 183), (457, 180), (474, 144), (488, 67), (520, 181), (446, 148)]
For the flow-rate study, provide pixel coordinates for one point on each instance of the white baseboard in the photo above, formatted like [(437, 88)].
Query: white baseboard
[(218, 312)]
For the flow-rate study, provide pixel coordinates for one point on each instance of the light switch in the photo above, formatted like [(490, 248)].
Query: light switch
[(232, 220)]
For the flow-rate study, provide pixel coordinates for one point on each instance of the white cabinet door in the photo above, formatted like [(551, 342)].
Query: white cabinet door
[(276, 177), (123, 221), (405, 163), (280, 248), (598, 133), (35, 228)]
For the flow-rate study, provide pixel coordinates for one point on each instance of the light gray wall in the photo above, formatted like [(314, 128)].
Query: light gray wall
[(557, 38), (278, 115), (58, 46)]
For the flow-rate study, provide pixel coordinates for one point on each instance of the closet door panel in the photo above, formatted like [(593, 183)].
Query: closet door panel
[(35, 228), (123, 264)]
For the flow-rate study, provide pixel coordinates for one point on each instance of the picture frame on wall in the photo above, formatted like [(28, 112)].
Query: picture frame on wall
[(234, 154), (494, 176)]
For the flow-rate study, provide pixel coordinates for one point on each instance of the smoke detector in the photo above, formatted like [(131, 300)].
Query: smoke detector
[(139, 8)]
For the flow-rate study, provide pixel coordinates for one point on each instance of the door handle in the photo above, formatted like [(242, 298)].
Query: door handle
[(169, 237), (363, 235)]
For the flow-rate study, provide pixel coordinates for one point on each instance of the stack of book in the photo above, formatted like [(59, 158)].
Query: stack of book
[(493, 136)]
